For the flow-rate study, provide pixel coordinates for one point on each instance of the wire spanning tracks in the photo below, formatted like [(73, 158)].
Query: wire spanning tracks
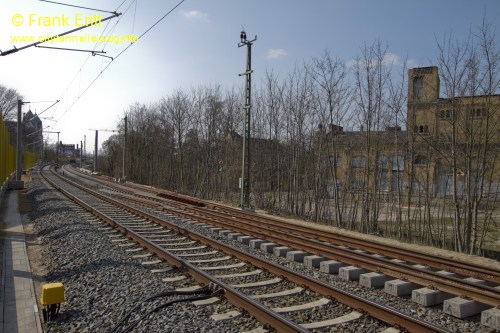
[(262, 313)]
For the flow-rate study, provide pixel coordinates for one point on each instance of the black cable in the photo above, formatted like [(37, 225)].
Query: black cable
[(208, 289), (188, 299)]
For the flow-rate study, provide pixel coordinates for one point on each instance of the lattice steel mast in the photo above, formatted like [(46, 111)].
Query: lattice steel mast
[(245, 167)]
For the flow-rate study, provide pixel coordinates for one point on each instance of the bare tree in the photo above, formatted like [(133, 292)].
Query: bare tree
[(330, 75), (8, 102), (372, 74)]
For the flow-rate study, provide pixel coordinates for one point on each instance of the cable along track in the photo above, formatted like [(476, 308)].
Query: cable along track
[(269, 305)]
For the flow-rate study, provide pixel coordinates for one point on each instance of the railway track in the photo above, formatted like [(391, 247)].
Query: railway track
[(450, 276), (206, 260), (220, 218)]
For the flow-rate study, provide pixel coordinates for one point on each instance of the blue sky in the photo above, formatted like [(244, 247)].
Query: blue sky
[(197, 45)]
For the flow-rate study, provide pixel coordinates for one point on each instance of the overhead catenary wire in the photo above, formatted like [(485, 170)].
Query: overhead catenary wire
[(78, 74), (119, 54), (75, 6), (15, 49)]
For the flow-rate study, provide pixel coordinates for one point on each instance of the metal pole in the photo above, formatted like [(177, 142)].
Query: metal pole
[(19, 145), (84, 145), (124, 150), (95, 151), (245, 168), (57, 150), (81, 153)]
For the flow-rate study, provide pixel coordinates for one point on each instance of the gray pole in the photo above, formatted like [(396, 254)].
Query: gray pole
[(57, 150), (81, 154), (245, 168), (124, 174), (95, 152), (19, 148), (84, 145)]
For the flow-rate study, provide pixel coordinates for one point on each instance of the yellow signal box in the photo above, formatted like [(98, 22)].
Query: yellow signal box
[(52, 293)]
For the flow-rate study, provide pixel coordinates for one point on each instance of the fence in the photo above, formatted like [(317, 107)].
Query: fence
[(8, 154)]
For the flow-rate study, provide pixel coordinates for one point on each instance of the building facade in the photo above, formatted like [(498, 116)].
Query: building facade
[(450, 146)]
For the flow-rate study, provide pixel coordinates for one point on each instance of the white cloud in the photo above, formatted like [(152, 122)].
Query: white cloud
[(276, 53), (195, 15), (390, 59)]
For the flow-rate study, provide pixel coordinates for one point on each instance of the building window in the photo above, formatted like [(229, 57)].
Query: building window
[(422, 129), (358, 162), (418, 87), (335, 160), (382, 184), (383, 162), (420, 160), (446, 114), (358, 183), (478, 113), (398, 163)]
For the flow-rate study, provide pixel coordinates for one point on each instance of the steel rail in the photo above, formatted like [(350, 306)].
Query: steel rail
[(481, 293), (448, 264), (263, 314), (378, 311)]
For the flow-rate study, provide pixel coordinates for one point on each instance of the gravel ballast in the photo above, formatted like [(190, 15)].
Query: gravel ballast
[(102, 282)]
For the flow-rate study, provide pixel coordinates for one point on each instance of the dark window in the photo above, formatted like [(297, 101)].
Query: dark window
[(446, 114), (335, 161), (383, 162), (422, 129), (418, 87), (478, 113), (420, 160), (358, 162), (398, 163)]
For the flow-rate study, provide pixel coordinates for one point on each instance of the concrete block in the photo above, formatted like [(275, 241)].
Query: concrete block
[(343, 247), (215, 229), (462, 308), (360, 251), (398, 261), (474, 280), (330, 266), (423, 267), (281, 251), (429, 297), (379, 256), (245, 239), (373, 280), (233, 235), (268, 247), (224, 232), (446, 273), (255, 243), (313, 261), (399, 287), (491, 318), (350, 273), (296, 256)]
